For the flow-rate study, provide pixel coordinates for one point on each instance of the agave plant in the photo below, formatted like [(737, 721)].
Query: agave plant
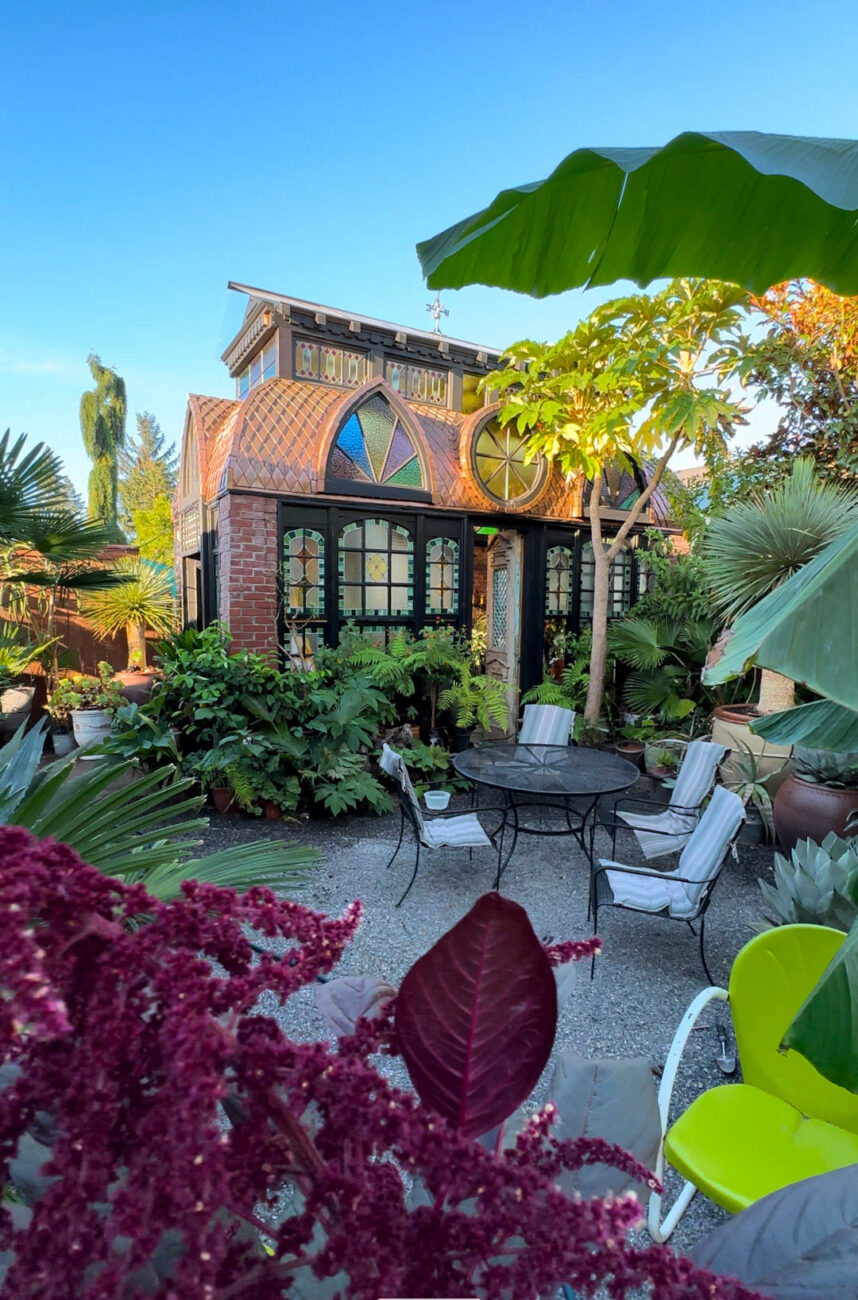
[(144, 831), (813, 886), (824, 767), (744, 779), (142, 597)]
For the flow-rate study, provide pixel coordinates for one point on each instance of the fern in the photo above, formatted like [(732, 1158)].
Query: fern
[(241, 784)]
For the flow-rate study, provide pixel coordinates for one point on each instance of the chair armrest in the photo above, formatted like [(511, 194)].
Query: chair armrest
[(657, 875), (683, 1031), (656, 803), (624, 826)]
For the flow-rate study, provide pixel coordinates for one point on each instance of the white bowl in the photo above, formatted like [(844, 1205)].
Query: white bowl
[(437, 800)]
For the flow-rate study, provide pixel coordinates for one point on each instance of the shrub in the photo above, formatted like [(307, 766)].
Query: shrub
[(133, 1042)]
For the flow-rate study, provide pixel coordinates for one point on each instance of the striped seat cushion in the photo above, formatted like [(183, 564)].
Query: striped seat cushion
[(463, 831), (546, 724), (655, 891), (669, 831)]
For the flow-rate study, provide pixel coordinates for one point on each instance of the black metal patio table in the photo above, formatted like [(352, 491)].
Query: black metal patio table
[(546, 776)]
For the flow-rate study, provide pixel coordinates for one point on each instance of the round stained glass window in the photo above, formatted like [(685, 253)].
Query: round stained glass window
[(500, 468)]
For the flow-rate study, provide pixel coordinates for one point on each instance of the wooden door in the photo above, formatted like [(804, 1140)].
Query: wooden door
[(503, 614)]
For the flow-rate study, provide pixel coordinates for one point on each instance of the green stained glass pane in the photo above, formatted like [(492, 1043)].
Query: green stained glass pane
[(408, 476), (376, 420), (499, 464), (400, 541)]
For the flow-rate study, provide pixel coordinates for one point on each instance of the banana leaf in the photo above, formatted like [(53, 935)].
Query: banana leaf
[(825, 1028), (806, 628), (822, 724), (742, 206)]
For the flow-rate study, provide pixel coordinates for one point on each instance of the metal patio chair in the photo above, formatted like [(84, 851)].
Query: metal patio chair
[(446, 830), (669, 829), (683, 894), (546, 724), (739, 1142)]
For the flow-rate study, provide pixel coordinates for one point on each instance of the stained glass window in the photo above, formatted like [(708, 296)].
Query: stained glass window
[(442, 576), (329, 364), (262, 367), (375, 447), (304, 572), (417, 383), (558, 581), (499, 464), (620, 594), (376, 569)]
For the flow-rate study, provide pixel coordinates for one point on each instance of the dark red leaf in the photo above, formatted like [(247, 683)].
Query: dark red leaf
[(476, 1016)]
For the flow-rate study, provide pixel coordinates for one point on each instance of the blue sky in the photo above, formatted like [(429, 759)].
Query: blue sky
[(150, 153)]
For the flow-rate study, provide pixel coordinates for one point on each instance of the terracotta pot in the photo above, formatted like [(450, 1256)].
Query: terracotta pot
[(633, 750), (90, 726), (807, 810), (271, 810), (223, 799), (136, 687), (660, 773)]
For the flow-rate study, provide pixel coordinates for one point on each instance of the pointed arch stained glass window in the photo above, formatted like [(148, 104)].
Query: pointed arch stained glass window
[(375, 447)]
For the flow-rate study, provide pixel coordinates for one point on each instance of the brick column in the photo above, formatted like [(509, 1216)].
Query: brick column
[(247, 536)]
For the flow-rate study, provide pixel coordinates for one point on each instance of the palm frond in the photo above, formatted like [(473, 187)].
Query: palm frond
[(142, 593), (280, 868), (756, 545), (641, 642)]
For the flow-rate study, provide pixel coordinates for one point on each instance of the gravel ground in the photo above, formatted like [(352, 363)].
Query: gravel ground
[(648, 972)]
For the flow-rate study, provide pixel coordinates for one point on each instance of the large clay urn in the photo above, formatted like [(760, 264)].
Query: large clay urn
[(809, 810), (136, 686)]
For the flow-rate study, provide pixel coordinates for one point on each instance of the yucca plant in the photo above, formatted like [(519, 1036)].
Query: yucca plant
[(142, 597), (146, 831), (756, 545)]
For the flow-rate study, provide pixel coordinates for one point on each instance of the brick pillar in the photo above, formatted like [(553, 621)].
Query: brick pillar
[(247, 536)]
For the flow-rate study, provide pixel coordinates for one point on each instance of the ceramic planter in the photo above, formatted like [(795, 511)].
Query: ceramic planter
[(62, 742), (90, 726), (136, 686), (15, 704), (272, 811), (653, 749), (809, 810), (730, 727), (633, 750)]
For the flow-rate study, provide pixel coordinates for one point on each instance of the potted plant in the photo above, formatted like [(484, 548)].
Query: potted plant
[(819, 795), (633, 740), (663, 755), (475, 699), (90, 703), (438, 659), (142, 597), (748, 774)]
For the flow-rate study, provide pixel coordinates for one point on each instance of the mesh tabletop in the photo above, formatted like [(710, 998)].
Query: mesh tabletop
[(546, 769)]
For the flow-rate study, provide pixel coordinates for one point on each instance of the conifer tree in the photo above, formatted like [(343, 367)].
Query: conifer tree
[(102, 421), (147, 470)]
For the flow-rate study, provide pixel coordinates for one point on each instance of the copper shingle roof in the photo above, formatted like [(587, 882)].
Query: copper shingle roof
[(278, 437)]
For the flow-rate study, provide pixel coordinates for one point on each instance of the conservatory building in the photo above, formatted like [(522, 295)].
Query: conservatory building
[(359, 476)]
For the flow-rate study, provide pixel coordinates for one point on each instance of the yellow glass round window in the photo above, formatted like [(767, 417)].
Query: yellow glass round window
[(500, 468)]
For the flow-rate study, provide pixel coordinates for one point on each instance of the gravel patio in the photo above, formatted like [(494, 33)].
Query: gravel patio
[(648, 972)]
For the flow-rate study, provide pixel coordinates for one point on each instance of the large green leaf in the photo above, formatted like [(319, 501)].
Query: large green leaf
[(741, 206), (825, 1028), (819, 725), (806, 628)]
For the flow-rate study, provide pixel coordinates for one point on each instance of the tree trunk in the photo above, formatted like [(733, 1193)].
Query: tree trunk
[(776, 692), (601, 592), (136, 636)]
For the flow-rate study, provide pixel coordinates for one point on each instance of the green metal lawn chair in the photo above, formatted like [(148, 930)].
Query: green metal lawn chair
[(785, 1122)]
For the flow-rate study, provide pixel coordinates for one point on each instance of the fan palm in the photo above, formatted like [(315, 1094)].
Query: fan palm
[(142, 597), (145, 831), (666, 658), (756, 545)]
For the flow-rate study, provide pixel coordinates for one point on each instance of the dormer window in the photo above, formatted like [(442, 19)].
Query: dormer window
[(328, 364), (417, 383), (263, 366)]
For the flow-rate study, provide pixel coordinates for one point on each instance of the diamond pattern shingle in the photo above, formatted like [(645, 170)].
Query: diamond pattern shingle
[(277, 439)]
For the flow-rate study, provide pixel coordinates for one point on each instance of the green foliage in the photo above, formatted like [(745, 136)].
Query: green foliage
[(745, 779), (144, 737), (152, 529), (273, 735), (102, 421), (428, 765), (570, 692), (145, 831), (823, 767), (78, 691), (475, 698), (677, 585), (148, 472), (666, 657), (815, 886), (757, 545)]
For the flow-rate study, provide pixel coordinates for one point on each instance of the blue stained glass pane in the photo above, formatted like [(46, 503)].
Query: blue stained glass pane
[(352, 443)]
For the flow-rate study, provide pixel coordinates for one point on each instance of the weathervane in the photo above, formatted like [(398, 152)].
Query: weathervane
[(436, 311)]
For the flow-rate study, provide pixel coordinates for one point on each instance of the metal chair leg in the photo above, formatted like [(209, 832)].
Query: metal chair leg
[(399, 841), (595, 931), (702, 950), (413, 877)]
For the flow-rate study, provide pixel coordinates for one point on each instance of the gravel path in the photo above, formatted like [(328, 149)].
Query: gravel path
[(648, 972)]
